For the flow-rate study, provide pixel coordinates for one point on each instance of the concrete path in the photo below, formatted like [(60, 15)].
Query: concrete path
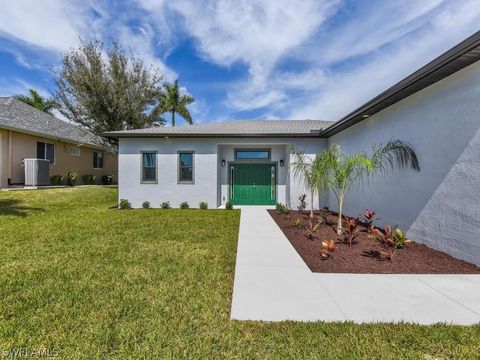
[(272, 283)]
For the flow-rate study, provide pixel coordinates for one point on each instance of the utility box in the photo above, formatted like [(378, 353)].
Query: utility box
[(37, 172)]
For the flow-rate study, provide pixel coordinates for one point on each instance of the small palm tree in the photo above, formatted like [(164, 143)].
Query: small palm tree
[(37, 101), (174, 101), (345, 171), (312, 172)]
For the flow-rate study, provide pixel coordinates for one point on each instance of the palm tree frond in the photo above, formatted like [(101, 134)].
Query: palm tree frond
[(395, 151)]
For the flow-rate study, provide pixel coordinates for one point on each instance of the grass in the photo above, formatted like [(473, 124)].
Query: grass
[(95, 282)]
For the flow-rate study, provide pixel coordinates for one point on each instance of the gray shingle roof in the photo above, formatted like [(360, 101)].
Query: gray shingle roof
[(17, 115), (240, 128)]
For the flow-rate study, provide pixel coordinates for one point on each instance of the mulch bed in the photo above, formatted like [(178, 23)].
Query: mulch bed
[(365, 255)]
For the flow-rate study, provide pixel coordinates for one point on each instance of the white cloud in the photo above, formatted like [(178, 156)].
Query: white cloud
[(343, 91)]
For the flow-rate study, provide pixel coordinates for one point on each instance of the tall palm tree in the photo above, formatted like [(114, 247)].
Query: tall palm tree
[(174, 101), (37, 101), (312, 172), (345, 171)]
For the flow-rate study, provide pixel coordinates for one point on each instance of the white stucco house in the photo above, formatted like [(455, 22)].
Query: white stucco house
[(436, 109)]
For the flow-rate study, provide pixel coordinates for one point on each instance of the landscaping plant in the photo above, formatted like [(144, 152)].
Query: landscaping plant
[(124, 204), (184, 205), (146, 205), (72, 178), (390, 240), (353, 230), (89, 179), (57, 180), (312, 172), (297, 223), (328, 248), (368, 217), (302, 203), (228, 205), (311, 228), (107, 179), (165, 205), (345, 171), (203, 205), (282, 209)]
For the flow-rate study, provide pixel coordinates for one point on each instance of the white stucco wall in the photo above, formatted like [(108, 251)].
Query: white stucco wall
[(211, 179), (439, 206)]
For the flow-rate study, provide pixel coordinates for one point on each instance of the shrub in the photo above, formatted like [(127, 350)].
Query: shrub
[(57, 180), (89, 179), (328, 248), (203, 205), (165, 205), (124, 204), (390, 240), (184, 205), (302, 203), (72, 178), (368, 217), (146, 205), (311, 228), (353, 230), (282, 209), (228, 205), (107, 179), (297, 223)]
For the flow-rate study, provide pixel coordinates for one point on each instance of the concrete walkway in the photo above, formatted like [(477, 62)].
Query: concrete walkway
[(272, 283)]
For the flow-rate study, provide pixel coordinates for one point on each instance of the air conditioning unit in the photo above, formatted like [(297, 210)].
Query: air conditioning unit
[(37, 172)]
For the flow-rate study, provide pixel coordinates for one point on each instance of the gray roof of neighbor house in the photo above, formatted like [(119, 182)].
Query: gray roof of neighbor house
[(16, 115), (234, 128)]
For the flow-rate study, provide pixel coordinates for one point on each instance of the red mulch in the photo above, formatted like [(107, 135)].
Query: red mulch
[(365, 255)]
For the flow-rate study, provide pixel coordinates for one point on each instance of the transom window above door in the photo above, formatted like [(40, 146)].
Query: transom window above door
[(252, 154)]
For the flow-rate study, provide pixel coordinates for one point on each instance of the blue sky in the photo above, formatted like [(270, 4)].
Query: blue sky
[(243, 59)]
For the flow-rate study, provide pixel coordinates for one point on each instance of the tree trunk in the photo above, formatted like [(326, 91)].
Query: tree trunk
[(311, 202), (173, 118), (340, 211)]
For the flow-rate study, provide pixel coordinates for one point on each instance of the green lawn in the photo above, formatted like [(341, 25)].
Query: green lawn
[(97, 282)]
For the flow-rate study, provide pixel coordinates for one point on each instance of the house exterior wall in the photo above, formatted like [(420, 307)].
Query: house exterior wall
[(438, 206), (211, 179), (19, 146)]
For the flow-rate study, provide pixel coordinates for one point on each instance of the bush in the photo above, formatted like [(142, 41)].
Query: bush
[(203, 205), (57, 180), (107, 179), (229, 205), (390, 239), (89, 179), (165, 205), (184, 205), (146, 205), (124, 204), (282, 209), (72, 178)]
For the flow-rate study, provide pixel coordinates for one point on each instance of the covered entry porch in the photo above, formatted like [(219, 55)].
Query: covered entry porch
[(253, 174)]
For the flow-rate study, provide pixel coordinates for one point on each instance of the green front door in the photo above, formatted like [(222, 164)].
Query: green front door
[(253, 184)]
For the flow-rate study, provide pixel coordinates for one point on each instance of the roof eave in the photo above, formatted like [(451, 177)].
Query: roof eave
[(112, 135), (436, 65)]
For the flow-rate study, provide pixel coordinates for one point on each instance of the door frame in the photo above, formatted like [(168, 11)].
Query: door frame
[(230, 163)]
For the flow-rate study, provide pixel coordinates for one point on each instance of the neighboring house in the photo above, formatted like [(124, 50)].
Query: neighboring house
[(436, 110), (26, 132)]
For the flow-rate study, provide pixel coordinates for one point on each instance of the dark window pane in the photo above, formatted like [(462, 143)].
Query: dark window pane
[(252, 154), (50, 154), (186, 159), (100, 160), (40, 150), (186, 174), (149, 159), (149, 174), (94, 160)]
